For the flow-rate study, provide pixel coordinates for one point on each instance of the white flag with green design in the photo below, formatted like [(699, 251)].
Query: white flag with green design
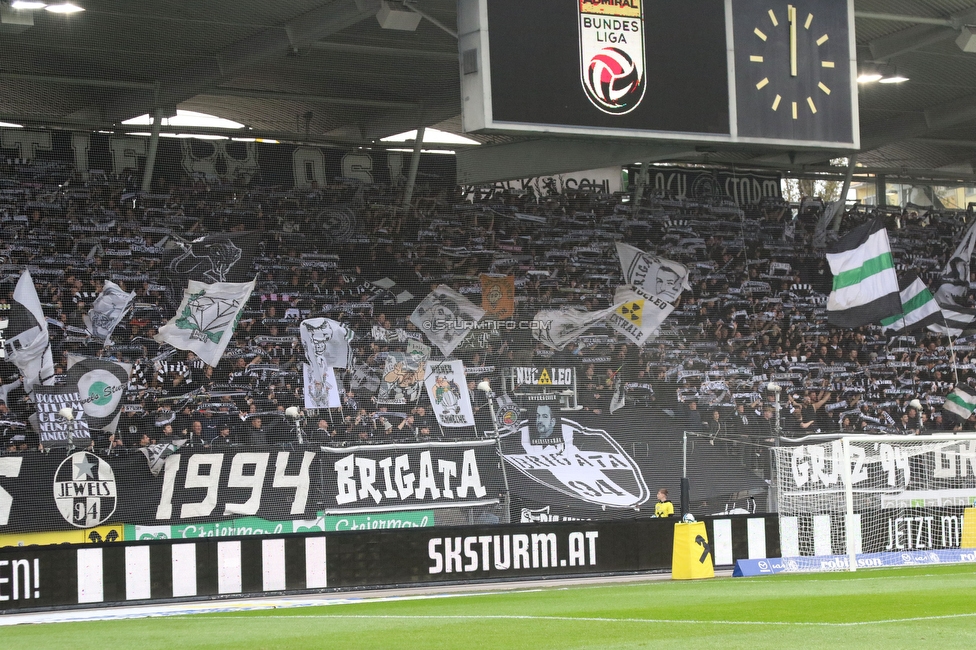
[(961, 402), (206, 318)]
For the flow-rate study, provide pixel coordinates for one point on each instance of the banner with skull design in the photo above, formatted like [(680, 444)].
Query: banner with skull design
[(447, 389), (206, 318), (403, 378)]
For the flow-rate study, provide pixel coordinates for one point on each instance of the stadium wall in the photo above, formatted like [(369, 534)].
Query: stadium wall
[(43, 577)]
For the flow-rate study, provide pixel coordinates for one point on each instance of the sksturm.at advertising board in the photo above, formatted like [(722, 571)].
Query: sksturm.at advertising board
[(193, 567), (51, 492), (732, 71)]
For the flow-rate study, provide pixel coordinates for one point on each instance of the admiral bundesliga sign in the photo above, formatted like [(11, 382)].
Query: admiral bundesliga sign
[(612, 54)]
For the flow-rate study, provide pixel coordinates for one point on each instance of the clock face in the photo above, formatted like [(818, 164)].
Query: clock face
[(792, 70)]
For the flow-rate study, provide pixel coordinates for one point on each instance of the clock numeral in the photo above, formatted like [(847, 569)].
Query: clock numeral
[(824, 88), (772, 17), (806, 25), (759, 33), (756, 59), (823, 39), (762, 84), (776, 102), (813, 107), (827, 64)]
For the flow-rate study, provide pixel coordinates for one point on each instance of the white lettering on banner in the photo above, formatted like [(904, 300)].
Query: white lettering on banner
[(817, 471), (358, 166), (544, 376), (247, 470), (17, 577), (515, 552), (27, 143), (126, 153), (9, 468), (356, 478), (308, 167), (954, 461)]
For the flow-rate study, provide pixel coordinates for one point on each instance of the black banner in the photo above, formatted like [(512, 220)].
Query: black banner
[(270, 164), (742, 188), (566, 466), (49, 492)]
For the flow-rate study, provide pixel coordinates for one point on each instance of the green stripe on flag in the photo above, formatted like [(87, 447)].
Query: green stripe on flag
[(956, 399), (886, 322), (918, 301), (871, 267)]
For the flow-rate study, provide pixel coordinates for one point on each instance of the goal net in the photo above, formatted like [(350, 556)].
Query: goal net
[(868, 501)]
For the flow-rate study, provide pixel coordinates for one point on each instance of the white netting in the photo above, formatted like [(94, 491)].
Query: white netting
[(907, 496)]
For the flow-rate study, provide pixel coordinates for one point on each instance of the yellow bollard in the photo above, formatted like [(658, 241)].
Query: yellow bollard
[(692, 554), (968, 528)]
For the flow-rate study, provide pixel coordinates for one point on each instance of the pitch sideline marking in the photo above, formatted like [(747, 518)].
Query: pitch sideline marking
[(588, 619)]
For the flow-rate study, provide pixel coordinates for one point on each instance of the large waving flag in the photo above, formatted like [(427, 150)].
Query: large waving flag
[(919, 308), (206, 318), (26, 341), (557, 327), (865, 285), (954, 283), (101, 385), (637, 315), (107, 311), (955, 321), (961, 402), (661, 278), (446, 317)]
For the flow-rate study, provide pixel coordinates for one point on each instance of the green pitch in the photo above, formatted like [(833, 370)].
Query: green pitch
[(933, 606)]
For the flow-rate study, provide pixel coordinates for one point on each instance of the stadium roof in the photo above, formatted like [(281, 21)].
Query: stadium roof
[(327, 72)]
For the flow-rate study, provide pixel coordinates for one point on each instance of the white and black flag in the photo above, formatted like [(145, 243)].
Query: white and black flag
[(661, 278), (101, 385), (446, 317), (156, 455), (107, 311), (26, 341)]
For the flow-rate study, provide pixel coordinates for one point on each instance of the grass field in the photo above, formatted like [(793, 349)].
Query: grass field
[(932, 606)]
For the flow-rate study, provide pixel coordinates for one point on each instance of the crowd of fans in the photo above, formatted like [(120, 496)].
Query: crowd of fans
[(755, 312)]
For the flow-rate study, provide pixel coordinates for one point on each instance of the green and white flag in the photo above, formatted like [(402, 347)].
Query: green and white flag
[(919, 308), (206, 318), (101, 385), (961, 402), (865, 285)]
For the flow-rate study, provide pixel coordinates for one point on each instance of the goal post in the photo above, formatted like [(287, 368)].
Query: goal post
[(869, 500)]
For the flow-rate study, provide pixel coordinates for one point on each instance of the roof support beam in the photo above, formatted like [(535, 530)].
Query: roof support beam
[(78, 81), (373, 50), (244, 55), (925, 32), (302, 97)]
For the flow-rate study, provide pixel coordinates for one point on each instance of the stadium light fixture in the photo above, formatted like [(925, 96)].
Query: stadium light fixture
[(64, 8), (27, 5), (893, 78), (10, 125), (869, 73)]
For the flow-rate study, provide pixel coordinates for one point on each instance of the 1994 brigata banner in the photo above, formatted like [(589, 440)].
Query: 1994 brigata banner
[(52, 492)]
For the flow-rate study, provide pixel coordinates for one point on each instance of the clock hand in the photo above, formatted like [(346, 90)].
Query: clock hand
[(791, 13)]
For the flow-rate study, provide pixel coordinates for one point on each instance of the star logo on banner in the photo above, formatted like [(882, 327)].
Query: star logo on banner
[(83, 469), (632, 311)]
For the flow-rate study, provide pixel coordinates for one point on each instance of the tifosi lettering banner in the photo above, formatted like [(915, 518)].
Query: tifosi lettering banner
[(50, 492)]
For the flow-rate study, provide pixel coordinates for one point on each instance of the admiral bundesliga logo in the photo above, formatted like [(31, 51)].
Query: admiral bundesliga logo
[(612, 54)]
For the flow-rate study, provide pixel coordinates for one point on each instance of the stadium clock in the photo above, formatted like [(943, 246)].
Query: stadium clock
[(792, 66)]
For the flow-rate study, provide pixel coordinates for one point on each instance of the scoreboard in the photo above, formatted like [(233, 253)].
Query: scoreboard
[(769, 72)]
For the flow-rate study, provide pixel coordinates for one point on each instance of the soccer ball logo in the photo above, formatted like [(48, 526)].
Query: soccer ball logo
[(613, 81)]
